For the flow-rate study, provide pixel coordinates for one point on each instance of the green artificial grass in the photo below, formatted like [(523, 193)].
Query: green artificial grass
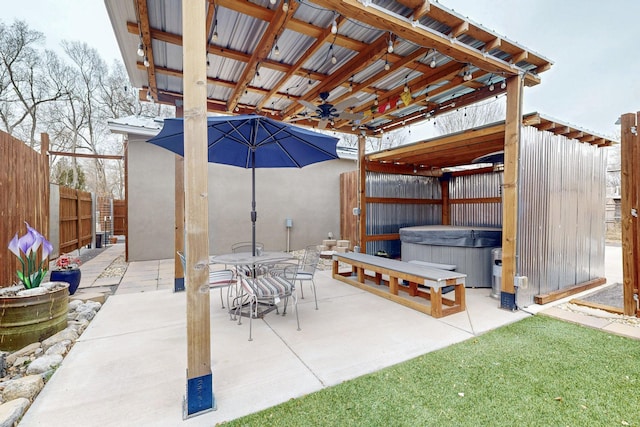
[(536, 372)]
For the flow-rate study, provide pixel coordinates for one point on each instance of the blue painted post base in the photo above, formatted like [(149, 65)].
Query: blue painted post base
[(199, 398), (178, 284), (508, 301)]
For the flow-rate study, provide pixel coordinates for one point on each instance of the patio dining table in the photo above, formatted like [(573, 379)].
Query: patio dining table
[(252, 263), (247, 258)]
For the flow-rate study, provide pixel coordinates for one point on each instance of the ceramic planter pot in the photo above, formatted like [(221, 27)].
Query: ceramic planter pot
[(28, 319), (72, 277)]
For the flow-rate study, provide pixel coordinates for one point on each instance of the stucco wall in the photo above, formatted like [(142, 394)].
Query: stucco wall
[(309, 196)]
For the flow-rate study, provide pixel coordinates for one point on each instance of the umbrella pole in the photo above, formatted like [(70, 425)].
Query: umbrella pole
[(254, 214)]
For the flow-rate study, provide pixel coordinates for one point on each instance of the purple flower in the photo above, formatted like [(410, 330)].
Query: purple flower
[(32, 271)]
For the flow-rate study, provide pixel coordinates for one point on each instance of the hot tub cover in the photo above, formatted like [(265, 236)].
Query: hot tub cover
[(449, 235)]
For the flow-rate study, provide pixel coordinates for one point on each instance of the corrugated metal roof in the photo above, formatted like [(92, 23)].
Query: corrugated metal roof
[(242, 37)]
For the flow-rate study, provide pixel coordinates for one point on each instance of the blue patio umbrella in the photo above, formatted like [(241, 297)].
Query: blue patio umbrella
[(253, 141)]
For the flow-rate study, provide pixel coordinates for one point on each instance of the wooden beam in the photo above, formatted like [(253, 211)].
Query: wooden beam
[(363, 59), (493, 44), (317, 45), (458, 51), (459, 30), (144, 29), (419, 7), (629, 210), (223, 52), (565, 292), (199, 396), (87, 155), (446, 206), (510, 190), (403, 201), (262, 50)]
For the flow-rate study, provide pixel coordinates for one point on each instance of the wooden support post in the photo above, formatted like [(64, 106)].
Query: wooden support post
[(629, 152), (178, 238), (446, 205), (362, 203), (199, 397), (510, 191)]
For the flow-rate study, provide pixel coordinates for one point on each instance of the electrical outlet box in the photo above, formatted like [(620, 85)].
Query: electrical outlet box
[(521, 282), (356, 211)]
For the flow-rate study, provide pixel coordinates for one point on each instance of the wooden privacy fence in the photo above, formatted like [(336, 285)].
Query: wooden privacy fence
[(24, 196), (120, 217), (76, 216), (630, 174)]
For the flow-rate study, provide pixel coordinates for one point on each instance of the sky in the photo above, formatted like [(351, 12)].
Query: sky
[(593, 45)]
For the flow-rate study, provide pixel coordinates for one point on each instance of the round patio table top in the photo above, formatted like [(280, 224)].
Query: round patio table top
[(244, 258)]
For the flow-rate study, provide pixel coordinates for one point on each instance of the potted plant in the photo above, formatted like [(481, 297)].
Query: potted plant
[(31, 310), (67, 270)]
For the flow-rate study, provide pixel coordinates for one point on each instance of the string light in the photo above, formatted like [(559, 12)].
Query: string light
[(387, 66), (146, 61), (272, 2), (334, 27), (406, 88), (208, 63), (214, 37), (433, 63), (334, 60), (140, 49), (390, 47), (491, 87), (503, 85), (276, 49), (285, 6)]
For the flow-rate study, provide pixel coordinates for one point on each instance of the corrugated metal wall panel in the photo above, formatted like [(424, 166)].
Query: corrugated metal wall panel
[(385, 218), (476, 186), (562, 198)]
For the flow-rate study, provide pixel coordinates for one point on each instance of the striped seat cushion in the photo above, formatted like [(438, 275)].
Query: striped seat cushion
[(268, 287), (248, 270), (220, 278)]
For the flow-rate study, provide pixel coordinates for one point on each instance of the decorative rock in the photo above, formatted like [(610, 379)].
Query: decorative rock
[(11, 290), (79, 325), (32, 292), (74, 304), (59, 348), (65, 334), (27, 387), (3, 363), (12, 411), (31, 348), (44, 364), (21, 361), (93, 305)]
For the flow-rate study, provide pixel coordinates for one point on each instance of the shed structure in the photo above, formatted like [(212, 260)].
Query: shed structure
[(559, 210)]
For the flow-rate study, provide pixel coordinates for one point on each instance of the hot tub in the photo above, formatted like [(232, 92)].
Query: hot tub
[(468, 248)]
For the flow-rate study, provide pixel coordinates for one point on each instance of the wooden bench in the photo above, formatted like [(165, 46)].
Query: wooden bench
[(398, 271)]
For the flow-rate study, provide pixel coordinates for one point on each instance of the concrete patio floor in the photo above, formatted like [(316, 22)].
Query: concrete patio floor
[(129, 366)]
